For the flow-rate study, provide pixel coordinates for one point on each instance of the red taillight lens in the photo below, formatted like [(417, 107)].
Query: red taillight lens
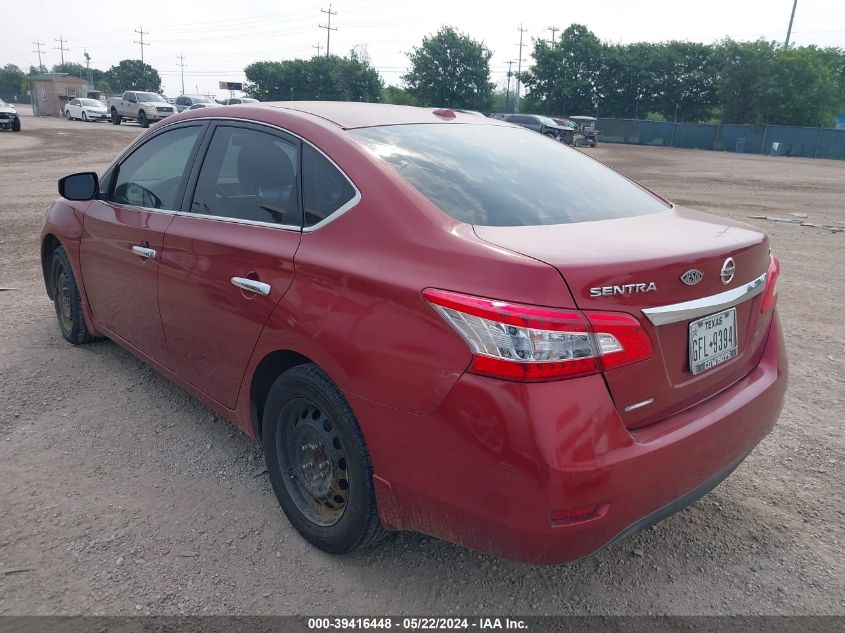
[(770, 295), (531, 343)]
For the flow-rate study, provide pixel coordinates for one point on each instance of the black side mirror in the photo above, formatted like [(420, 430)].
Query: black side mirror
[(82, 186)]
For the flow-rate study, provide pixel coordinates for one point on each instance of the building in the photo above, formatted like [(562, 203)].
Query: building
[(51, 91)]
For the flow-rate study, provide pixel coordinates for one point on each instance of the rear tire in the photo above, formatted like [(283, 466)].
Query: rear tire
[(318, 462), (67, 115), (67, 300)]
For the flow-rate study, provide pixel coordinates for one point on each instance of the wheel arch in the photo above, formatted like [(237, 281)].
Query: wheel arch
[(273, 365)]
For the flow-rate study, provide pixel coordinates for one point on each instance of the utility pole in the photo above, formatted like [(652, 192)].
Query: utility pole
[(508, 90), (791, 18), (318, 46), (88, 68), (182, 65), (61, 47), (518, 69), (554, 30), (142, 32), (328, 27), (38, 46)]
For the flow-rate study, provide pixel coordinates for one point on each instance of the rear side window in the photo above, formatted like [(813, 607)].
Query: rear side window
[(152, 175), (325, 190), (249, 175), (494, 175)]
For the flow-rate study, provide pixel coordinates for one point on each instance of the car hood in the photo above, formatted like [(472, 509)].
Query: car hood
[(155, 104), (8, 109)]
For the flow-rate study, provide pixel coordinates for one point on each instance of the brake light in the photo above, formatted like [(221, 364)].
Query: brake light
[(770, 294), (530, 343)]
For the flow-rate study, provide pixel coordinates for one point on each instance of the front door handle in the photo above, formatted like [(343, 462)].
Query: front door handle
[(251, 285), (143, 251)]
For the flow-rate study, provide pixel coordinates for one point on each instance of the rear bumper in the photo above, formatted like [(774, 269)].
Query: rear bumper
[(548, 473)]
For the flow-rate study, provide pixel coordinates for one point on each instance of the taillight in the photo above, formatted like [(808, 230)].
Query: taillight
[(531, 343), (770, 294)]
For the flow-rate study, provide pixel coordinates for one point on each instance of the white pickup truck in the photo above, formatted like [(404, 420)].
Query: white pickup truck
[(143, 107)]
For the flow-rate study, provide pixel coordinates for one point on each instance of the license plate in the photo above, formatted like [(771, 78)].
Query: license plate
[(712, 341)]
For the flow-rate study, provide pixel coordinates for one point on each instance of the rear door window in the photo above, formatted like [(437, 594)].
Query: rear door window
[(325, 190), (249, 175), (495, 175)]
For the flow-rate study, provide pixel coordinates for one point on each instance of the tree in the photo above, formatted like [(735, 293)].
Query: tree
[(12, 80), (133, 74), (398, 96), (450, 69), (684, 80), (564, 78), (322, 78)]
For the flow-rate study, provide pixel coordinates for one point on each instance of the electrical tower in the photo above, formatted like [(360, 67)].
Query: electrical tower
[(88, 69), (38, 46), (318, 46), (61, 48), (142, 33), (518, 69), (328, 27), (182, 65), (554, 30)]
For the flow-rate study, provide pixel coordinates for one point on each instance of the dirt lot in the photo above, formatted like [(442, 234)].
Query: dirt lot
[(120, 494)]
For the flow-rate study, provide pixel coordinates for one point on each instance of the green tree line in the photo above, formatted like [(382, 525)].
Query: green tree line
[(129, 74), (729, 81)]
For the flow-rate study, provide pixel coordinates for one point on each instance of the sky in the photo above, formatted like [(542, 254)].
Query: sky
[(218, 38)]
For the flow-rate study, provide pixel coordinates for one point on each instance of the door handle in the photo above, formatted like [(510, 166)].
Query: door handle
[(143, 251), (251, 285)]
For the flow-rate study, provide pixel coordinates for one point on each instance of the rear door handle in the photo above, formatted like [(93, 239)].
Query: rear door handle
[(143, 251), (251, 285)]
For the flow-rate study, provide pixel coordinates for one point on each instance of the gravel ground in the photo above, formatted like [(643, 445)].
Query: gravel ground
[(120, 494)]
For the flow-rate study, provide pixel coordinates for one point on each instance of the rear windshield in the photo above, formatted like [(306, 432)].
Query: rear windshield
[(494, 175), (147, 97)]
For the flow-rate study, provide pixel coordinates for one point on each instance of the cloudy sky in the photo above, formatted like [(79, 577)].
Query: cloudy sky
[(219, 37)]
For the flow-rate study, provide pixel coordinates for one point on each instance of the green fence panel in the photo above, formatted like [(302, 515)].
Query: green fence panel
[(831, 143), (694, 136)]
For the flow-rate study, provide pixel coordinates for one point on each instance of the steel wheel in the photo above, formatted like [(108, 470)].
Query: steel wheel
[(314, 462), (64, 307)]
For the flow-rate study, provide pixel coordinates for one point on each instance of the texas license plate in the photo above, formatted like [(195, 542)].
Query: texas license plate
[(712, 341)]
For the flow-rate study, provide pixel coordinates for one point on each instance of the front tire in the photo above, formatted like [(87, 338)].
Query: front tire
[(67, 300), (85, 117), (115, 118), (318, 462), (143, 121), (16, 125)]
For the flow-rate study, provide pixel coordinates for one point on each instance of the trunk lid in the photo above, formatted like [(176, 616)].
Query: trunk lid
[(632, 264)]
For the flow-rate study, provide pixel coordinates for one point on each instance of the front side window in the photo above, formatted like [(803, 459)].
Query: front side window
[(249, 175), (494, 175), (324, 189), (153, 174)]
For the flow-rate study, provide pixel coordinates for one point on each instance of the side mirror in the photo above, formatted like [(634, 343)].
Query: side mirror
[(82, 186)]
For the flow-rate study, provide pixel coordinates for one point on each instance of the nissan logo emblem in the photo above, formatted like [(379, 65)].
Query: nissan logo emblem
[(728, 270)]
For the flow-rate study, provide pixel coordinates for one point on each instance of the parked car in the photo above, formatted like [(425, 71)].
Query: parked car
[(143, 107), (572, 131), (9, 118), (624, 358), (86, 110), (199, 106), (239, 100), (539, 123), (588, 127), (184, 102)]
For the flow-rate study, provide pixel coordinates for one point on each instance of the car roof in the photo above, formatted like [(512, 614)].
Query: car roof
[(350, 115)]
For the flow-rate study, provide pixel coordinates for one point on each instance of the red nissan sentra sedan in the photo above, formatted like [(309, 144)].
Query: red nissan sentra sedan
[(425, 323)]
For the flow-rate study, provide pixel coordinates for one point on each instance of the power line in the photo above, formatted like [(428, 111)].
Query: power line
[(791, 18), (554, 30), (182, 65), (38, 46), (328, 27), (519, 69), (142, 42), (61, 47)]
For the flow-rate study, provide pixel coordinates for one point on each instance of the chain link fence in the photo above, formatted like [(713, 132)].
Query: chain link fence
[(775, 140)]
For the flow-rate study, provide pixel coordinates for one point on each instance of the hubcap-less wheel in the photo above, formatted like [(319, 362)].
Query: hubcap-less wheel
[(314, 462), (60, 283)]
